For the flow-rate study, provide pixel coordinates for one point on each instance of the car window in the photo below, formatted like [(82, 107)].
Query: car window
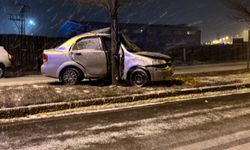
[(91, 43)]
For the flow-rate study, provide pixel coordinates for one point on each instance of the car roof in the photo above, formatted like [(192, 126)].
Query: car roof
[(105, 32), (100, 32)]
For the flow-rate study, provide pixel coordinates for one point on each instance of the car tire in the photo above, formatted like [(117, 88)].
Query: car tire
[(71, 76), (2, 71), (139, 78)]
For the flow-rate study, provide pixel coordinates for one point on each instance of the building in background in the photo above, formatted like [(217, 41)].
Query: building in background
[(227, 40), (240, 44), (148, 37)]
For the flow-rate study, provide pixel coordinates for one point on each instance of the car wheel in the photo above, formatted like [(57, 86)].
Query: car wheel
[(71, 76), (2, 71), (139, 78)]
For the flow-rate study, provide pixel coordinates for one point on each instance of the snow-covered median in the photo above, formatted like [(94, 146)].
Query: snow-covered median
[(25, 95)]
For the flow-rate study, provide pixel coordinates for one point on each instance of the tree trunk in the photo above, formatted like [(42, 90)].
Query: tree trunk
[(114, 43)]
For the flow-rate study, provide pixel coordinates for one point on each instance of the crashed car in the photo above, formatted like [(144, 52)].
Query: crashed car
[(5, 61), (86, 57)]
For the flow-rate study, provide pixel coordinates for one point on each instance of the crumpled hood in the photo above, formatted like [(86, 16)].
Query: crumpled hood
[(154, 55)]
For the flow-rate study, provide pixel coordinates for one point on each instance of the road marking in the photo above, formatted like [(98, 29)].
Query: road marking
[(219, 141)]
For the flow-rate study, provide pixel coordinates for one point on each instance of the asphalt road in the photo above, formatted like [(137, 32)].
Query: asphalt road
[(34, 79), (211, 123)]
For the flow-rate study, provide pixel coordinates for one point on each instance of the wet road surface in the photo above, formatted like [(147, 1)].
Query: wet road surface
[(209, 123)]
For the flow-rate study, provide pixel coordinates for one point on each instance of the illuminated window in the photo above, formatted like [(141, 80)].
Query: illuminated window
[(191, 32)]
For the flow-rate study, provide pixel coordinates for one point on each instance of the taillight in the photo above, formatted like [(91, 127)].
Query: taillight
[(45, 58)]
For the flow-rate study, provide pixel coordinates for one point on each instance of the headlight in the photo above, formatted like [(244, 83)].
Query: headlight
[(159, 62)]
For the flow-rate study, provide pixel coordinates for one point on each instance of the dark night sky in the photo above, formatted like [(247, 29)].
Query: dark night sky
[(211, 16)]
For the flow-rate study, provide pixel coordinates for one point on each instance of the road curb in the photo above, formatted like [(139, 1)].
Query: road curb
[(35, 109)]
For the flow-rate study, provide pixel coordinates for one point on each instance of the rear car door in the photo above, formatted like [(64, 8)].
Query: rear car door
[(90, 53)]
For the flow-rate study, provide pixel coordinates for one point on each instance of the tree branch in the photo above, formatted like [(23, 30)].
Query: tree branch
[(239, 7)]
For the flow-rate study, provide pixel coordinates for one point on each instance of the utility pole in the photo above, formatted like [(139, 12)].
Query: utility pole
[(218, 36), (20, 18)]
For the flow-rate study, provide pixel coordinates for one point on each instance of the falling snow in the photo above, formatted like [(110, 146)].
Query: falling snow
[(51, 14)]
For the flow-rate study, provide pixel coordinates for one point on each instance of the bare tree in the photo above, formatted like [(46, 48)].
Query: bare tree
[(112, 6), (241, 8), (242, 14)]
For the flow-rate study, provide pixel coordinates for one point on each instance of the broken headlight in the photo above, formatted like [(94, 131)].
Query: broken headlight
[(160, 63)]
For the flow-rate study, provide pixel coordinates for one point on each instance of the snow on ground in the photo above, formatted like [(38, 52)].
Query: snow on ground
[(23, 95)]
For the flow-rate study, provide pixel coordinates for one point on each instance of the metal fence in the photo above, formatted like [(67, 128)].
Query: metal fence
[(27, 50), (208, 54)]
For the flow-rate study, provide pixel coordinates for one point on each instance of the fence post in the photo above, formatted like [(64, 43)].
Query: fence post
[(248, 49), (184, 55)]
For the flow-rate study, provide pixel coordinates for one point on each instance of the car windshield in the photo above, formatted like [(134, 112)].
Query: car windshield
[(131, 46)]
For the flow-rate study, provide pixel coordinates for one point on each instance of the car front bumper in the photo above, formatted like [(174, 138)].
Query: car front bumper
[(161, 74)]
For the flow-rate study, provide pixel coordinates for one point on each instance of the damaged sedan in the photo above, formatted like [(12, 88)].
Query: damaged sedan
[(86, 57)]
